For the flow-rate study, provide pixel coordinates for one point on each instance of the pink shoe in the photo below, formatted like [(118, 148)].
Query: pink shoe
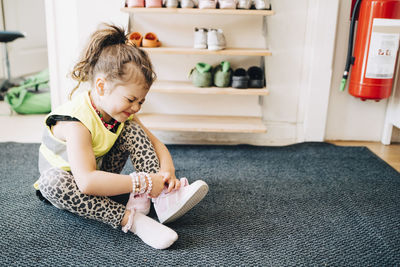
[(140, 203), (173, 205), (134, 3), (153, 3)]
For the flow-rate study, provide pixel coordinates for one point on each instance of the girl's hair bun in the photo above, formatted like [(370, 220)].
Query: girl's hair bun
[(107, 52), (111, 35)]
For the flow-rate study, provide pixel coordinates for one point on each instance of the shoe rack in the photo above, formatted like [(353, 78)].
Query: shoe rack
[(200, 123)]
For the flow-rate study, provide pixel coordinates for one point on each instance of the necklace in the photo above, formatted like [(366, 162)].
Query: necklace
[(109, 126)]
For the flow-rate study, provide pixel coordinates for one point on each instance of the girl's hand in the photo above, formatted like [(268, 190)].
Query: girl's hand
[(170, 180), (158, 184)]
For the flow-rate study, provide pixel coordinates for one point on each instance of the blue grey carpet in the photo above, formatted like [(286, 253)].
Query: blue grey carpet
[(311, 204)]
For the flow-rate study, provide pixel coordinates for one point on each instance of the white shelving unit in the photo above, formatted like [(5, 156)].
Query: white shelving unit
[(206, 123)]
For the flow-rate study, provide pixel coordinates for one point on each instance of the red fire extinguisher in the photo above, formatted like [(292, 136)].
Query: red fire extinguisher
[(375, 50)]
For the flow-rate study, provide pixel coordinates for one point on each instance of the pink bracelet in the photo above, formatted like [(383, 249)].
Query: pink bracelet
[(149, 183), (138, 182)]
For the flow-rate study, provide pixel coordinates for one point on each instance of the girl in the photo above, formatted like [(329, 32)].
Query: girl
[(88, 140)]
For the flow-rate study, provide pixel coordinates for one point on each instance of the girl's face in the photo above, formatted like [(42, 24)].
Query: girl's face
[(119, 100)]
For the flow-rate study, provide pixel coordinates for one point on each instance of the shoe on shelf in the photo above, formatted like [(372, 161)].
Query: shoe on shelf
[(170, 3), (150, 40), (135, 38), (207, 4), (227, 4), (215, 39), (223, 74), (240, 79), (134, 3), (189, 3), (256, 77), (201, 75), (153, 3), (262, 4), (173, 205), (244, 4), (200, 38)]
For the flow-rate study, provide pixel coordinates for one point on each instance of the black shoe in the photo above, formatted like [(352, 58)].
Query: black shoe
[(256, 77), (240, 79)]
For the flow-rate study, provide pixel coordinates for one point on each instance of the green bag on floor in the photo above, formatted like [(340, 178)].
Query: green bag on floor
[(27, 99), (26, 102)]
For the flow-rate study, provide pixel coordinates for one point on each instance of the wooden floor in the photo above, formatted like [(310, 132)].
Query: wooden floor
[(390, 154)]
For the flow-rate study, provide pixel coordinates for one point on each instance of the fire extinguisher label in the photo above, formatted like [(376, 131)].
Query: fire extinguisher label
[(383, 49)]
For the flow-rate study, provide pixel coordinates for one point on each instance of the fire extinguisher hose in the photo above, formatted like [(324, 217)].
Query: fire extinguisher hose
[(350, 58)]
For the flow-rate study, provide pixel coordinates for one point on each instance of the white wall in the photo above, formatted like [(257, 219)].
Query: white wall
[(27, 55), (301, 37), (69, 24), (350, 118)]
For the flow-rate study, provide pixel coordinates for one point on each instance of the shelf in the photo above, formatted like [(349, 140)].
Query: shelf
[(194, 51), (181, 87), (196, 11), (198, 123), (203, 123)]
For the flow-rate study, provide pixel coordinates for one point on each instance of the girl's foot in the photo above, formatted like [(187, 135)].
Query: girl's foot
[(140, 203), (150, 231)]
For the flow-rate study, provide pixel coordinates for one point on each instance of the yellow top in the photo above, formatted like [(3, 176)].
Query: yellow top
[(52, 152)]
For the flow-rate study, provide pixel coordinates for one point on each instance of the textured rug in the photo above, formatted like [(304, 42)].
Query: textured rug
[(306, 204)]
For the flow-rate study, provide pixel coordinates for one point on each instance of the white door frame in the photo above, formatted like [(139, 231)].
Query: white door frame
[(318, 67)]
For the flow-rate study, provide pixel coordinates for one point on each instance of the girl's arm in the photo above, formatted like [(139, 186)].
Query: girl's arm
[(83, 166), (167, 168)]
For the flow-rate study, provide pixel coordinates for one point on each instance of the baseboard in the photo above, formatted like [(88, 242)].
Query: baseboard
[(278, 134)]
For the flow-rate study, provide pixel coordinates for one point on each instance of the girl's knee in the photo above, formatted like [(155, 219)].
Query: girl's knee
[(133, 128), (53, 183)]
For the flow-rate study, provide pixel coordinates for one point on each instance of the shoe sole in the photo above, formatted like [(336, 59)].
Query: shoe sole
[(187, 205), (215, 48), (200, 46)]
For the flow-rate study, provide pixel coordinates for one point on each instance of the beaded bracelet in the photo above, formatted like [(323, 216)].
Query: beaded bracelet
[(135, 182), (143, 183), (149, 182), (139, 183)]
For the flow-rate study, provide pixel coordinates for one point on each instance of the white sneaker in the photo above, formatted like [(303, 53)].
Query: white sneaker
[(262, 4), (215, 39), (244, 4), (173, 205), (200, 38), (170, 3), (207, 4), (188, 3), (227, 4)]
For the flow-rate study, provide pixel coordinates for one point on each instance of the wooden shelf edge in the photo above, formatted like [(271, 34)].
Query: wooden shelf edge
[(185, 87), (202, 123), (198, 11), (194, 51)]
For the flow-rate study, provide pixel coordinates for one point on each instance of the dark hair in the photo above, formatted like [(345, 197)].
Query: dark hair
[(108, 52)]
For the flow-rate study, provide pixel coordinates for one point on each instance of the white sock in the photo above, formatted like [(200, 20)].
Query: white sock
[(150, 231)]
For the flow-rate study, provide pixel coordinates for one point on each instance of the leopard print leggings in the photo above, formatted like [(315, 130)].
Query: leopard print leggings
[(59, 187)]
